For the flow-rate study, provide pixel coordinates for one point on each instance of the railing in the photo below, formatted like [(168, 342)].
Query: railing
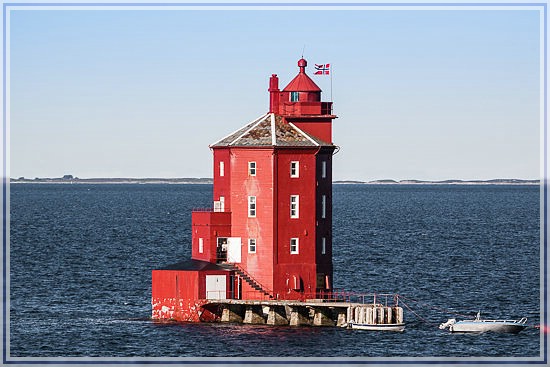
[(326, 108), (263, 289), (202, 210), (384, 299)]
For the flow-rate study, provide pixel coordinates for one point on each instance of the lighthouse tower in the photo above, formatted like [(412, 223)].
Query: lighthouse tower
[(269, 233)]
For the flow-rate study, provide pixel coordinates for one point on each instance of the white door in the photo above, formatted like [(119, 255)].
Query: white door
[(234, 250), (215, 287)]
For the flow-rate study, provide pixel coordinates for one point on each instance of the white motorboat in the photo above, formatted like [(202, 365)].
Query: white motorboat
[(377, 327), (478, 325)]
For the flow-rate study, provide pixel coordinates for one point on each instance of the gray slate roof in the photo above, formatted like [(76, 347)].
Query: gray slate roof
[(193, 265), (269, 130)]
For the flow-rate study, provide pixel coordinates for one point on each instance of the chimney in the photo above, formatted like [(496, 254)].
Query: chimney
[(273, 94)]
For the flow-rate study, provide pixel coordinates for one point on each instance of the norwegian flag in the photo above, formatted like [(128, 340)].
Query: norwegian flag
[(322, 69)]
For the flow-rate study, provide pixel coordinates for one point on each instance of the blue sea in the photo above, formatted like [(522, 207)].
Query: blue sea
[(81, 258)]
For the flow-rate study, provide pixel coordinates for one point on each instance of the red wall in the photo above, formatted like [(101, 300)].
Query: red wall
[(180, 294), (260, 264), (319, 128), (324, 228), (301, 266), (222, 184), (175, 295), (208, 226)]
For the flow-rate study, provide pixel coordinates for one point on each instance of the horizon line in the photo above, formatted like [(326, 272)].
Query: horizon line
[(389, 180)]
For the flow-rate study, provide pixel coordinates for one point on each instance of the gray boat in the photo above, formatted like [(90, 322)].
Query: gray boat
[(478, 325)]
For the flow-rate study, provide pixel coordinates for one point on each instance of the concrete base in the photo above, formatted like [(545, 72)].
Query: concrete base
[(277, 316), (322, 317), (342, 320), (299, 316), (297, 313), (253, 315), (232, 313)]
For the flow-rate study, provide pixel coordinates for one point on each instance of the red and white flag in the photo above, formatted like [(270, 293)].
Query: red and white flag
[(322, 69)]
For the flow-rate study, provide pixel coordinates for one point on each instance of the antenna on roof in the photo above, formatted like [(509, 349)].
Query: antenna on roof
[(303, 49)]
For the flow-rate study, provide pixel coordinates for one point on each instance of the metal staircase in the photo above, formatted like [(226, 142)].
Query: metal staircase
[(249, 279)]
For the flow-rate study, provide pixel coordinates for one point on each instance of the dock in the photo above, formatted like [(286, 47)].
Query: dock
[(303, 313)]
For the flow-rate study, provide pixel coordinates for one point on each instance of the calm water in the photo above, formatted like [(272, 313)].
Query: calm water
[(81, 259)]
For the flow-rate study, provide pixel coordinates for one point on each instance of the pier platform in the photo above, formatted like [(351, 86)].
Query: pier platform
[(309, 312)]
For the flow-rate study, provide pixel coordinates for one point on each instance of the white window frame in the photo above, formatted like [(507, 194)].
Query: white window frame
[(252, 245), (252, 207), (323, 169), (295, 242), (294, 206), (222, 169), (201, 245), (323, 245), (324, 206), (222, 203), (252, 168), (295, 169)]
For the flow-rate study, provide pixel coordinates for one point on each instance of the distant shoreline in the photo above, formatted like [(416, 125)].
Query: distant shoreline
[(207, 181)]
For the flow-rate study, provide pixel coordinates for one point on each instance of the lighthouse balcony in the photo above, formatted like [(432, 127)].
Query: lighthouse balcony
[(306, 108)]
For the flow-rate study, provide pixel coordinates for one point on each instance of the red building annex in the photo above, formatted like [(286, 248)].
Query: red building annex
[(269, 233)]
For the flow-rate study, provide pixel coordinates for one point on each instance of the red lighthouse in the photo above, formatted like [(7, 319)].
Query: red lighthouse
[(269, 234)]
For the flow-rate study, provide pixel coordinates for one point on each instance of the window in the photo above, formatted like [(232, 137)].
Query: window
[(324, 206), (294, 206), (252, 168), (251, 206), (222, 169), (251, 245), (293, 245), (294, 96), (219, 206), (324, 169), (294, 169), (323, 245), (201, 245)]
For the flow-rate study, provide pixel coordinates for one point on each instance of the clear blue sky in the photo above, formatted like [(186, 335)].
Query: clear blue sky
[(420, 94)]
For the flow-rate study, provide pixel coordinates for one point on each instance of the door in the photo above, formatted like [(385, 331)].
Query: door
[(215, 287), (221, 250), (234, 250)]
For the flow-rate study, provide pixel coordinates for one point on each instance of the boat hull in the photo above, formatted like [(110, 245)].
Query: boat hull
[(378, 327), (483, 327)]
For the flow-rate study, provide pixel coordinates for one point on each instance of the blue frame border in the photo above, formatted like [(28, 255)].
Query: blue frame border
[(235, 361)]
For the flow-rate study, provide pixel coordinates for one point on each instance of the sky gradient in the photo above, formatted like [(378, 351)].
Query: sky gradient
[(420, 94)]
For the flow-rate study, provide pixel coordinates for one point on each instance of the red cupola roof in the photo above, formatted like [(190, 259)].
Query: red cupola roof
[(302, 82)]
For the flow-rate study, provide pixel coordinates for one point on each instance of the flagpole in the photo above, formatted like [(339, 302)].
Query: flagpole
[(332, 67)]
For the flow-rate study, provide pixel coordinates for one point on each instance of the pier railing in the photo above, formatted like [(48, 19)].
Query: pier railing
[(336, 295)]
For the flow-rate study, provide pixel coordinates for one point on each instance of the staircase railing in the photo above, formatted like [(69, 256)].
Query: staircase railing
[(265, 290)]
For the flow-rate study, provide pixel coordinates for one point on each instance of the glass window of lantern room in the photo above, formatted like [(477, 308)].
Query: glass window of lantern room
[(252, 168), (294, 169), (251, 245), (294, 96), (294, 246)]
